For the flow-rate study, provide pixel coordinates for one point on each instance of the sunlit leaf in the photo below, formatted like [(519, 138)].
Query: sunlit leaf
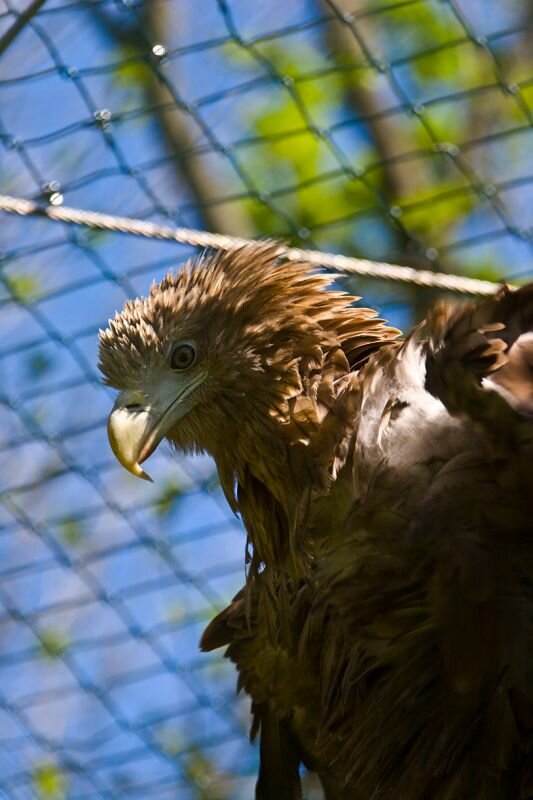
[(53, 643), (72, 531), (167, 498), (49, 782), (23, 287)]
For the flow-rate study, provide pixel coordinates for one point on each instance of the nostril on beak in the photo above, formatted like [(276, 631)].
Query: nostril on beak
[(134, 407)]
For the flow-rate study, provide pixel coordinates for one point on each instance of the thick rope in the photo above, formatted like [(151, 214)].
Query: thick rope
[(217, 241)]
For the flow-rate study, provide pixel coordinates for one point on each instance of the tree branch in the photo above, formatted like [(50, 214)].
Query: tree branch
[(177, 127), (388, 142), (20, 23), (398, 179)]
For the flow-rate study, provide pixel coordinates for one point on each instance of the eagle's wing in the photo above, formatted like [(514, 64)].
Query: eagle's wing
[(426, 610), (489, 346), (410, 673), (262, 669), (285, 699)]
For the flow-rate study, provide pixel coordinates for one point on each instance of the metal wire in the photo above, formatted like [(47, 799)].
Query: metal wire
[(217, 241), (22, 19)]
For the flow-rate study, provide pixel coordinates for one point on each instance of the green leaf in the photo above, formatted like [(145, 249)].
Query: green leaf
[(438, 211), (23, 287), (488, 271), (72, 531), (133, 71), (53, 643), (49, 782), (167, 499)]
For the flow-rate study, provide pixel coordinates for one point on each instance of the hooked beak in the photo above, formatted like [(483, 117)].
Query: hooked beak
[(132, 431), (135, 428)]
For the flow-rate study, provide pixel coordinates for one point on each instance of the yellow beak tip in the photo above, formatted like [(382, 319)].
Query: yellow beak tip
[(144, 475), (135, 469)]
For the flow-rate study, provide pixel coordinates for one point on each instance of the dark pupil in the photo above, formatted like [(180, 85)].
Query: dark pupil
[(183, 356)]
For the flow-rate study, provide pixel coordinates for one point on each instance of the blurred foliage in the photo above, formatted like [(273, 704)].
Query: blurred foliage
[(294, 161), (72, 531), (49, 783), (200, 770), (167, 498), (133, 72), (53, 643), (23, 287)]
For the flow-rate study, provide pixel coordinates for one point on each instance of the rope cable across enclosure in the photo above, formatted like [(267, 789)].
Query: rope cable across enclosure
[(217, 241)]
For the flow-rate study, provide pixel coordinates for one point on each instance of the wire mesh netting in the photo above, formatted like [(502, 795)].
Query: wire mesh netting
[(397, 131)]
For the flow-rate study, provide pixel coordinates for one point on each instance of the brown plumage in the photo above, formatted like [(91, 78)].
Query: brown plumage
[(385, 632)]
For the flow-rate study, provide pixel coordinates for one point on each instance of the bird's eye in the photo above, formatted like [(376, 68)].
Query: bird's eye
[(183, 356)]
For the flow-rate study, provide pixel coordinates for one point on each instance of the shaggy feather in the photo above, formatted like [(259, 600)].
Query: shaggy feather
[(385, 632)]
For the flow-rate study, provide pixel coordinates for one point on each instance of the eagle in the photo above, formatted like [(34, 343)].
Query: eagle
[(385, 629)]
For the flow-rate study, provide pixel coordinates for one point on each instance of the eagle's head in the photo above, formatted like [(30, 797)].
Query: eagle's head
[(222, 347)]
